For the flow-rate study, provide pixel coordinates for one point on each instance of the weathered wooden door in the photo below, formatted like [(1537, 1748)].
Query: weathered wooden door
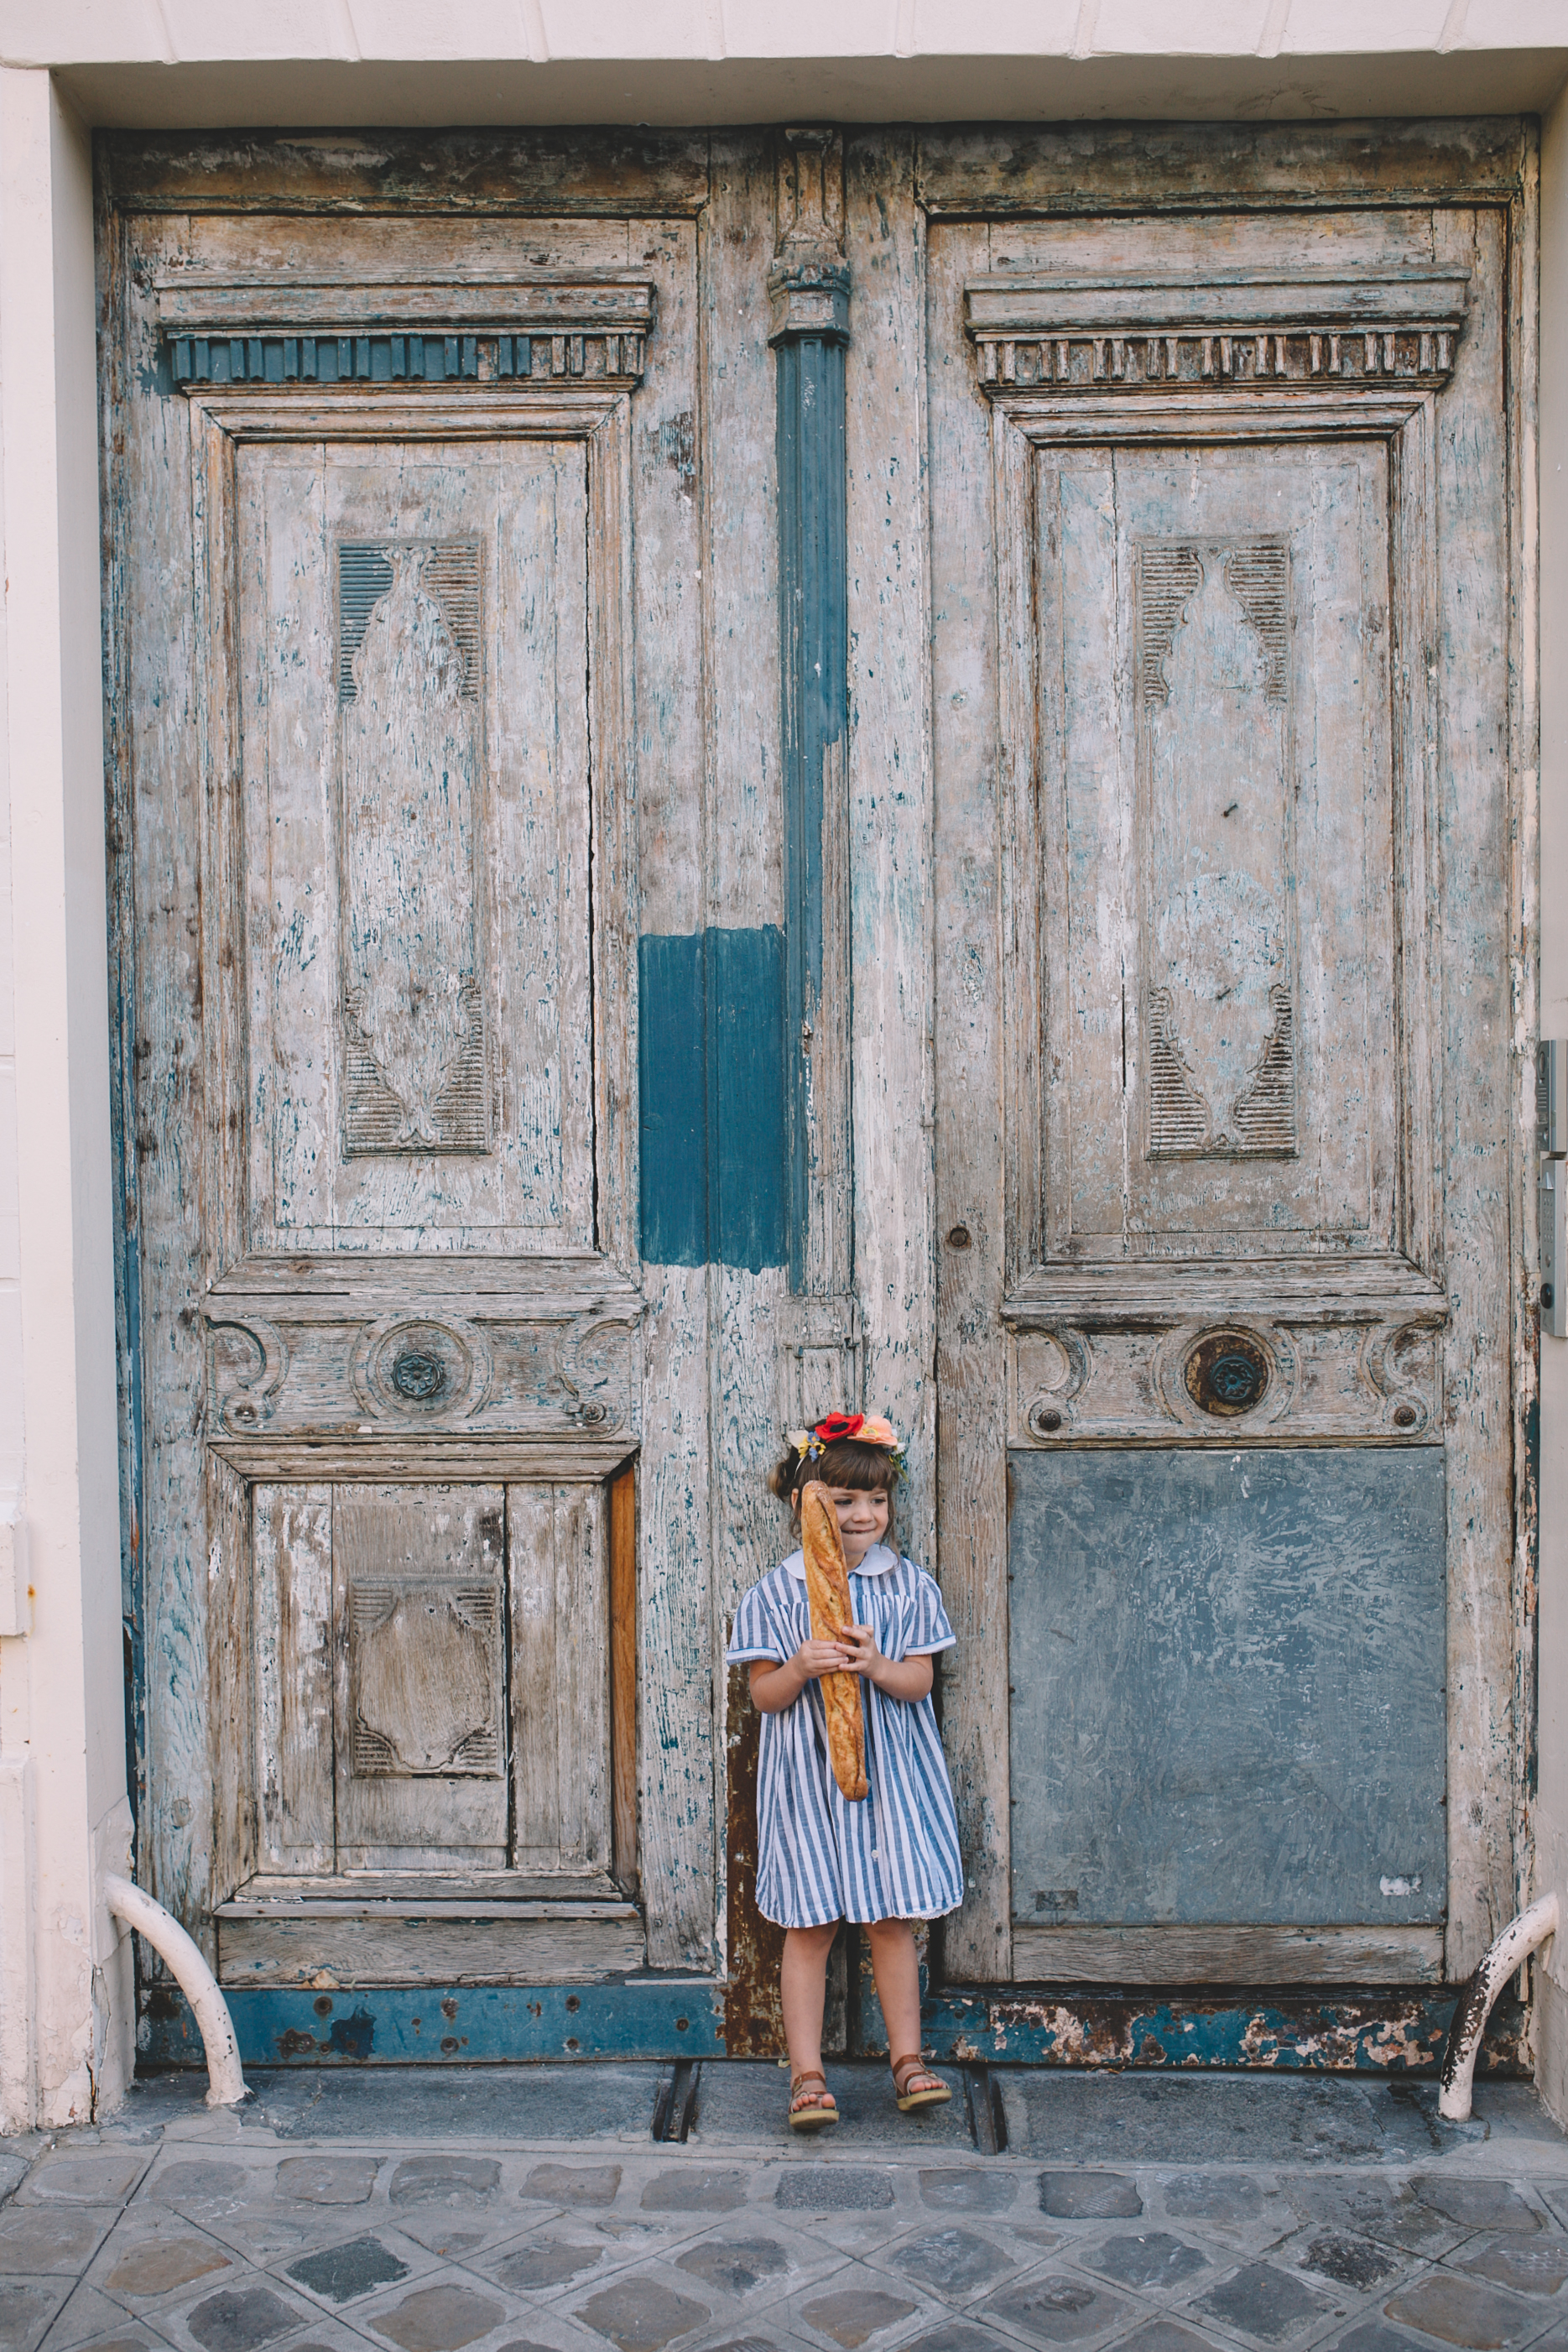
[(1227, 1190), (378, 932)]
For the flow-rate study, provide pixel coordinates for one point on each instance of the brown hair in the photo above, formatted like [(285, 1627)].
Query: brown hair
[(863, 1469)]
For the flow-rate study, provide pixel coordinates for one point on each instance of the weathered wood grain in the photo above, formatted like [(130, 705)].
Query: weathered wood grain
[(1194, 246), (250, 243), (603, 1941), (233, 728), (623, 1679), (970, 1207), (1112, 168), (742, 852), (631, 587), (231, 1672), (1470, 658), (674, 1500), (890, 814), (1230, 1955), (121, 904), (558, 1568), (1522, 425), (547, 174), (326, 1150), (292, 1640), (160, 787)]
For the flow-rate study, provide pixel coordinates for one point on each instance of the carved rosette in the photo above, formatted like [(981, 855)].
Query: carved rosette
[(410, 1369)]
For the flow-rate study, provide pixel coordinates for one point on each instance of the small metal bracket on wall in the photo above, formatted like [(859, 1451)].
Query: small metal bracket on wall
[(1551, 1139)]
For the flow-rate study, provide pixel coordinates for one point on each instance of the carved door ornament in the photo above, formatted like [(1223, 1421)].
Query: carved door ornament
[(307, 333), (1215, 545)]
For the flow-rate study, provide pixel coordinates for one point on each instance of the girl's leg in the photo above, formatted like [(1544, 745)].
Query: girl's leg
[(803, 1984), (895, 1965)]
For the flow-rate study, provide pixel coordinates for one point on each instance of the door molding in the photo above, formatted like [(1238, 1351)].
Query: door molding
[(1093, 1337), (300, 330), (598, 415)]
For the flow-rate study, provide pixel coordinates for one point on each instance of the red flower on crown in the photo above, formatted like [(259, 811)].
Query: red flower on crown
[(839, 1424)]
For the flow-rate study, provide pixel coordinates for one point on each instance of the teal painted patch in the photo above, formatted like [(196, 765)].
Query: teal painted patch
[(711, 1069), (672, 1091)]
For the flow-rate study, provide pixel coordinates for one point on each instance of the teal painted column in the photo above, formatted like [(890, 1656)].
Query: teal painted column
[(809, 289)]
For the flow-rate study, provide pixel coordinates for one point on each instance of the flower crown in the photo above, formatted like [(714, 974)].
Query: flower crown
[(863, 1428)]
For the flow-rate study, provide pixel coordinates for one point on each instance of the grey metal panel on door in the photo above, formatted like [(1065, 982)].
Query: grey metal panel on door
[(1227, 1675)]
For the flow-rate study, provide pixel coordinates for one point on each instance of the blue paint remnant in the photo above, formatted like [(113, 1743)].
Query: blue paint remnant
[(1389, 2031), (352, 2037), (711, 1066), (649, 2017), (813, 609)]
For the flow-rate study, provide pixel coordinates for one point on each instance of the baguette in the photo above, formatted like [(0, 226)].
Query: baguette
[(828, 1593)]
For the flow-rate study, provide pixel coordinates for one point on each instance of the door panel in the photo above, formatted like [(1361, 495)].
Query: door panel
[(419, 1631), (1217, 916), (1189, 528), (414, 645), (1228, 1712)]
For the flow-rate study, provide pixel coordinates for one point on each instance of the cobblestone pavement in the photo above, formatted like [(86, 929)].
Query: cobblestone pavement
[(533, 2210)]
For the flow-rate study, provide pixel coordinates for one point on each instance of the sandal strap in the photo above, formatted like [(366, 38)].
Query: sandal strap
[(811, 2075), (911, 2058)]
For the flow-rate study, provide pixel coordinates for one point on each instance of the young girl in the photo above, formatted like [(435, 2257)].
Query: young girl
[(892, 1856)]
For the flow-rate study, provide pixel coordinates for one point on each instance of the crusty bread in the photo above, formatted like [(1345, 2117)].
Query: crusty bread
[(828, 1591)]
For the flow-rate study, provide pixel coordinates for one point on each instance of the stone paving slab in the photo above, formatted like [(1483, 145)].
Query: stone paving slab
[(1223, 2119), (747, 2100), (1303, 2216)]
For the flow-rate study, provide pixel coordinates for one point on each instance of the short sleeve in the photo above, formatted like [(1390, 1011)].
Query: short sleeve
[(755, 1635), (930, 1631)]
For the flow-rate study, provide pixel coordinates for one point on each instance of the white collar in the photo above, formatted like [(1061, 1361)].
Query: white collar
[(879, 1561)]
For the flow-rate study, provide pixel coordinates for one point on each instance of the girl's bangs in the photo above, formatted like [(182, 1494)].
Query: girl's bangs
[(863, 1469)]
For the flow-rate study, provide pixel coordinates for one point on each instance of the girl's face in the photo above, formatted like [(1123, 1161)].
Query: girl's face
[(863, 1519)]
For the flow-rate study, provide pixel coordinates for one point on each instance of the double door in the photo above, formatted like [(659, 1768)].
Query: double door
[(566, 1034)]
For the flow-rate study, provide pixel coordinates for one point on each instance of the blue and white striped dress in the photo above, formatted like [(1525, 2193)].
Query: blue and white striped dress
[(895, 1853)]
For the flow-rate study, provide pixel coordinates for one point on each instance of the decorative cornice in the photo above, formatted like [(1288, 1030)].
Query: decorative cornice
[(1066, 335), (300, 330), (809, 284)]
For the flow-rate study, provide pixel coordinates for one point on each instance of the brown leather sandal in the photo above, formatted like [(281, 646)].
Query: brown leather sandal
[(913, 2069), (822, 2108)]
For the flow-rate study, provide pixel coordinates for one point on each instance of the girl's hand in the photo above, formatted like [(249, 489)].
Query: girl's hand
[(813, 1659), (908, 1678), (774, 1687), (864, 1657)]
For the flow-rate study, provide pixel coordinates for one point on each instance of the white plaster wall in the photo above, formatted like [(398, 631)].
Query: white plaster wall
[(187, 62), (554, 31), (66, 2023), (1552, 1803)]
